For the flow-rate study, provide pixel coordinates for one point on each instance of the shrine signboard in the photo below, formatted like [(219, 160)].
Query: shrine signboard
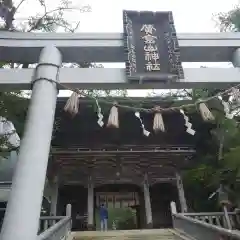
[(151, 45)]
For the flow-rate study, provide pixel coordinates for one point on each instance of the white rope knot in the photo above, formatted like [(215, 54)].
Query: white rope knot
[(226, 108), (9, 133), (205, 112), (113, 117), (158, 124), (235, 95), (72, 105)]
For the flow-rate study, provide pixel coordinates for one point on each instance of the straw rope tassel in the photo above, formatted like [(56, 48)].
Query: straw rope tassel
[(113, 117), (158, 124), (72, 104), (205, 112)]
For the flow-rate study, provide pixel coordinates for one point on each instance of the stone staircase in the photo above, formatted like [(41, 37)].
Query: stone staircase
[(153, 234)]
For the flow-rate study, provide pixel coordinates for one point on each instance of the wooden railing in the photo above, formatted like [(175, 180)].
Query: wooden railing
[(217, 218), (55, 227), (195, 226), (48, 221)]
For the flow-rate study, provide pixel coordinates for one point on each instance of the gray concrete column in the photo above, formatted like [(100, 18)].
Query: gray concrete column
[(90, 206), (236, 58), (182, 199), (54, 197), (24, 205), (147, 200)]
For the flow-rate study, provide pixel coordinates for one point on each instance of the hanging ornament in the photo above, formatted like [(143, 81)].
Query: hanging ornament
[(235, 97), (187, 123), (235, 93), (113, 117), (2, 121), (99, 113), (8, 131), (72, 104), (226, 108), (205, 112), (158, 124), (145, 132)]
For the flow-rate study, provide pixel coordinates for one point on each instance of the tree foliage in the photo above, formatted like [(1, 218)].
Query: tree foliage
[(13, 104), (229, 21), (220, 163)]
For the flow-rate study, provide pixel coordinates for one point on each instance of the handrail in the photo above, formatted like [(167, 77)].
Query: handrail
[(218, 218), (58, 230), (200, 229), (53, 229), (203, 214), (52, 217), (220, 230)]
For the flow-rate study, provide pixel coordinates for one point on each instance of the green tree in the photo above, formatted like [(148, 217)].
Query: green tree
[(229, 21), (14, 104), (50, 20), (211, 167), (220, 163)]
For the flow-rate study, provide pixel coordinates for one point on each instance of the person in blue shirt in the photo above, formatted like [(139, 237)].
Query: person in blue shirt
[(103, 217)]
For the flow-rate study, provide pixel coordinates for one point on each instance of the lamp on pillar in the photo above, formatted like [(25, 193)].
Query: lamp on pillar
[(147, 200), (90, 205)]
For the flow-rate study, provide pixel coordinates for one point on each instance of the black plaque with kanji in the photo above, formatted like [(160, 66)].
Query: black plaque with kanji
[(151, 46)]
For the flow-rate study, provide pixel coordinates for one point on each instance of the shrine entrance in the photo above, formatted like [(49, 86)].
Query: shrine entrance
[(161, 196), (124, 203)]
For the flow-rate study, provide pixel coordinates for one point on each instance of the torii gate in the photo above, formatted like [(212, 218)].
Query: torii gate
[(22, 214)]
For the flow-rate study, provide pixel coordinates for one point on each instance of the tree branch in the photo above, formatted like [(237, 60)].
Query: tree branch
[(188, 93), (39, 21), (18, 6)]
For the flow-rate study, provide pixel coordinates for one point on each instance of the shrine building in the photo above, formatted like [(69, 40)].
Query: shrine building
[(120, 167)]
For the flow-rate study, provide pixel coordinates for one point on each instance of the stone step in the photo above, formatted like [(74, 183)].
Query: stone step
[(153, 234)]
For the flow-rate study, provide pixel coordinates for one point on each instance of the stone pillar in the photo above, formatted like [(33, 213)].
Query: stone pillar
[(90, 206), (24, 205), (54, 197), (181, 194), (147, 200), (236, 58)]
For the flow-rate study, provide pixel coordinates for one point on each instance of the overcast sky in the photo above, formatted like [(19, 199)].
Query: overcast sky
[(106, 16)]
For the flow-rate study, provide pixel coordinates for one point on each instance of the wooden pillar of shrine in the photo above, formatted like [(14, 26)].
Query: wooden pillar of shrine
[(182, 199), (147, 200), (90, 205), (54, 197)]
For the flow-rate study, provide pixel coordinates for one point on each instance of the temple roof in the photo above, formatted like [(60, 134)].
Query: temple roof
[(81, 148), (83, 129)]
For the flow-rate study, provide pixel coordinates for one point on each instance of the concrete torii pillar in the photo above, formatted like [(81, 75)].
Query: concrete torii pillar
[(23, 210), (90, 205), (147, 200)]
